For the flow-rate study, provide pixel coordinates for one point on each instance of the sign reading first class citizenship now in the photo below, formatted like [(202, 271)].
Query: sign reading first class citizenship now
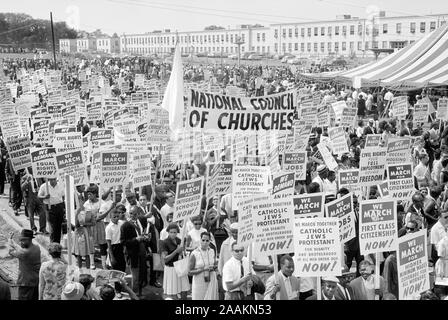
[(211, 111)]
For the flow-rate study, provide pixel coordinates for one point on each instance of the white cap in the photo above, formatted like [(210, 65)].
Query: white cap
[(330, 279)]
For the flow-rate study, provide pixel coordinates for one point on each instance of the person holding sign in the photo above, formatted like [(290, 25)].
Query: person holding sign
[(284, 285), (329, 288), (202, 266), (236, 275), (364, 286)]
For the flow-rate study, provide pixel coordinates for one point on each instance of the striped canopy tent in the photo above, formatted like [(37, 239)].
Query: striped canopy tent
[(422, 64)]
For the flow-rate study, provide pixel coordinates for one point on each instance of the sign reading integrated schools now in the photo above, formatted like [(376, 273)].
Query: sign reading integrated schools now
[(377, 226), (188, 199), (114, 168), (210, 111)]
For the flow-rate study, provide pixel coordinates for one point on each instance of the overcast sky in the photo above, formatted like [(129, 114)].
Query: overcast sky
[(139, 16)]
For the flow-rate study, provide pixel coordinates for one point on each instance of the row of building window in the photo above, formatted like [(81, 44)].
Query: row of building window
[(189, 39), (351, 30)]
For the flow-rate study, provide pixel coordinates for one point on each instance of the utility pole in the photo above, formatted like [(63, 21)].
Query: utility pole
[(239, 42), (54, 45)]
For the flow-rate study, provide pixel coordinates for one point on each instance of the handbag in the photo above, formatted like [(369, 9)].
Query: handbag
[(181, 267), (157, 262)]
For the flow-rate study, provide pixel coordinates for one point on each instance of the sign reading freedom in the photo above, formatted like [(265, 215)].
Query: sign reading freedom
[(211, 111)]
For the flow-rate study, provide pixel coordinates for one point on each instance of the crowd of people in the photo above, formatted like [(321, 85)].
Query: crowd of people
[(132, 230)]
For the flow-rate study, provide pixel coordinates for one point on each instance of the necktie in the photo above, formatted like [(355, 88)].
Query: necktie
[(136, 226), (242, 269), (347, 295)]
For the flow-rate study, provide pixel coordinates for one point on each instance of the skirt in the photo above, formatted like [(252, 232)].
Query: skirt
[(82, 242), (99, 233), (172, 283)]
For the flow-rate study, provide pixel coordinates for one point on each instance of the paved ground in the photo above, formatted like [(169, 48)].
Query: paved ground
[(9, 266)]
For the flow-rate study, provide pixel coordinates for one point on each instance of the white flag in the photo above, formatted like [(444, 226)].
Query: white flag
[(173, 100)]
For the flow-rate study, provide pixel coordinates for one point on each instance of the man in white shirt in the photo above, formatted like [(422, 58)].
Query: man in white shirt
[(114, 246), (225, 252), (236, 275), (167, 208), (226, 204), (421, 171), (52, 193), (322, 174), (388, 97), (438, 232)]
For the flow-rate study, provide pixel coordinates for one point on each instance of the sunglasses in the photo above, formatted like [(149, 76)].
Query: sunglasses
[(204, 240), (238, 250), (412, 229), (197, 224)]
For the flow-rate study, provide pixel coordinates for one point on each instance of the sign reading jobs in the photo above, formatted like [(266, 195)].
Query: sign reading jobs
[(412, 265), (377, 226), (114, 168), (188, 199), (342, 209), (317, 249), (273, 227)]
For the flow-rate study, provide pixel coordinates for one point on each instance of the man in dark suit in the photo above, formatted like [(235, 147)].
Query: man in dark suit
[(416, 212), (343, 290), (329, 287), (370, 129), (135, 241)]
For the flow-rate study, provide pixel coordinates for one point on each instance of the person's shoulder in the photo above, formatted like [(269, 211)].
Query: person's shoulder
[(313, 297)]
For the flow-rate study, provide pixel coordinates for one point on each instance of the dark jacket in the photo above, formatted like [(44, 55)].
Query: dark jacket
[(133, 248)]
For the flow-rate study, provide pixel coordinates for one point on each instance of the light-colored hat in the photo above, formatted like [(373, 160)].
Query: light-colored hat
[(72, 291), (321, 168), (330, 279)]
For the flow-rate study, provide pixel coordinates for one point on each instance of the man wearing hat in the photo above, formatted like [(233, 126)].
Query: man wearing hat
[(322, 174), (329, 287), (29, 265), (343, 291), (72, 291)]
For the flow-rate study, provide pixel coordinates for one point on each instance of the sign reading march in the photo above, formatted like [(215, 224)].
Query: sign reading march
[(211, 111), (273, 225), (114, 168), (309, 205), (377, 226), (71, 164), (295, 162), (401, 181), (188, 199), (412, 265), (342, 209), (44, 162), (317, 249), (349, 179)]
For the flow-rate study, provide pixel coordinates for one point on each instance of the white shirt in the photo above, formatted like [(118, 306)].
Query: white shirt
[(113, 232), (104, 207), (388, 96), (330, 188), (321, 183), (438, 232), (226, 203), (164, 211), (56, 193), (232, 272), (345, 292), (288, 287)]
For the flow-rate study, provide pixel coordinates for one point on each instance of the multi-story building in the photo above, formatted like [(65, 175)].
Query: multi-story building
[(108, 44), (346, 36), (67, 45), (351, 35), (86, 45)]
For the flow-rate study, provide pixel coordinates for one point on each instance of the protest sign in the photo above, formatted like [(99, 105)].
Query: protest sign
[(317, 249), (273, 225), (94, 111), (377, 226), (67, 139), (188, 199), (211, 111), (19, 152), (95, 168), (44, 162), (296, 162), (383, 189), (71, 164), (247, 181), (224, 178), (348, 117), (283, 185), (40, 131), (338, 108), (10, 127), (421, 112), (338, 140), (327, 157), (273, 160), (412, 265), (442, 109), (250, 161), (349, 179), (400, 106), (323, 116), (400, 181), (302, 131), (371, 166), (141, 169), (342, 209), (310, 205), (114, 168), (101, 135), (372, 141), (398, 151)]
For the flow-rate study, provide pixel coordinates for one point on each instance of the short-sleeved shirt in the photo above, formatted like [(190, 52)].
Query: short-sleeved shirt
[(169, 246), (438, 232), (232, 272), (113, 232)]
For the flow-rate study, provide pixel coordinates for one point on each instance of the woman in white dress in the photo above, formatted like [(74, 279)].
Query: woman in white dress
[(202, 266)]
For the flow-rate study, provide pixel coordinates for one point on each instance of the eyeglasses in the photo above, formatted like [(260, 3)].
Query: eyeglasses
[(238, 250), (408, 228), (205, 240), (197, 224)]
